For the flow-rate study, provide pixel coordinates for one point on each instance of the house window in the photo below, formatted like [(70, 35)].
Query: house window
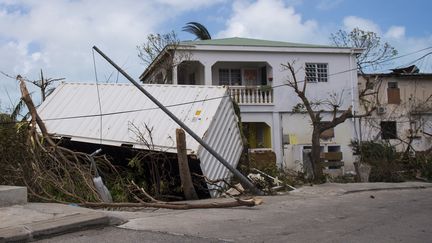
[(393, 93), (250, 76), (316, 72), (388, 130), (229, 76)]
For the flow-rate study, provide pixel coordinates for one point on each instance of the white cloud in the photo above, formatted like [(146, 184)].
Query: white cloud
[(57, 35), (270, 19), (190, 4), (352, 22), (395, 32)]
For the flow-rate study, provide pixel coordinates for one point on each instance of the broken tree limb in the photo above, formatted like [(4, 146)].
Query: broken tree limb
[(178, 206), (185, 176), (152, 199), (32, 108)]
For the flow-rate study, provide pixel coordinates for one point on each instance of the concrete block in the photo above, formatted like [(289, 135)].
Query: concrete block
[(10, 195)]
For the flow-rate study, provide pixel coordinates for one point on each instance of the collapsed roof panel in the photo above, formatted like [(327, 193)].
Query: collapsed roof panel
[(72, 111)]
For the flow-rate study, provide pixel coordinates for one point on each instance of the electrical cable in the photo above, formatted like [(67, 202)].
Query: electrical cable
[(195, 101)]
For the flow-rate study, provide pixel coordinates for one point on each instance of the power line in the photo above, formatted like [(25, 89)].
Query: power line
[(407, 54), (207, 99), (125, 111)]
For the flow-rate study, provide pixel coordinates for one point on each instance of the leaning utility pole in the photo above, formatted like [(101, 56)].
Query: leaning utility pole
[(243, 180)]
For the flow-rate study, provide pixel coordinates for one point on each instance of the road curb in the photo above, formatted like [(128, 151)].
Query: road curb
[(45, 228), (387, 189)]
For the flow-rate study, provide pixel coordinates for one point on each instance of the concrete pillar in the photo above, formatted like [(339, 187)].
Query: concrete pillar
[(277, 138), (174, 75), (208, 74)]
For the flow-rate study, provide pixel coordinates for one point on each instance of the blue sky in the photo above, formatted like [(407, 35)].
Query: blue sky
[(57, 35)]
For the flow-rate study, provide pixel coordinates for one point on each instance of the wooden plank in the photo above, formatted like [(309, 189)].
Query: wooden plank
[(393, 96), (333, 164), (331, 156)]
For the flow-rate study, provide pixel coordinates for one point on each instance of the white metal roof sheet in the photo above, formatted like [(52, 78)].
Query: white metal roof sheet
[(73, 111)]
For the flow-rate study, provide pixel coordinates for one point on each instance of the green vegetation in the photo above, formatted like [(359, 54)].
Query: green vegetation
[(391, 166)]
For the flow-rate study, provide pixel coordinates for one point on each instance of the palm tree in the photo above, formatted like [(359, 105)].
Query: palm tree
[(197, 29)]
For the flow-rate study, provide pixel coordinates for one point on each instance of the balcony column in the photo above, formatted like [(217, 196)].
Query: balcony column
[(174, 75), (208, 80), (277, 138)]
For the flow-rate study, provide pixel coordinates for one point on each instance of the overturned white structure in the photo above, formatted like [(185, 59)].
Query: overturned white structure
[(73, 111)]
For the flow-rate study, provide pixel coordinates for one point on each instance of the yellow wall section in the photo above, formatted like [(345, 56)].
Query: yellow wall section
[(254, 128), (252, 135), (267, 136)]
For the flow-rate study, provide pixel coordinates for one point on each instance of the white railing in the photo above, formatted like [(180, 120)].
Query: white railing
[(252, 95)]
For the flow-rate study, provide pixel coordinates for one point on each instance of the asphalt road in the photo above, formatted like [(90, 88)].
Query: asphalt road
[(379, 216)]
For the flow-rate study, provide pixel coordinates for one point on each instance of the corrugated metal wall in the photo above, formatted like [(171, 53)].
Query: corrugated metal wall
[(223, 136)]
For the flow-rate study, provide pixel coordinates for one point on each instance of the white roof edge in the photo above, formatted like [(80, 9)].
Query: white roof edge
[(146, 84), (276, 49)]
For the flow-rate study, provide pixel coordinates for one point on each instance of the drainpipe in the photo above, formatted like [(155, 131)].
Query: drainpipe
[(353, 92), (243, 180)]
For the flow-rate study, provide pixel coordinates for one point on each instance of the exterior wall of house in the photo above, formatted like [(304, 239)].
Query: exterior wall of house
[(279, 116), (297, 134), (341, 82), (412, 115)]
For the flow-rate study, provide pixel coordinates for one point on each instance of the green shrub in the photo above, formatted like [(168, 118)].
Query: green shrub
[(382, 156)]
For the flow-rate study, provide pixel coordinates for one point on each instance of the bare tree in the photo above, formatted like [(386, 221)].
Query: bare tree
[(375, 52), (338, 116), (162, 52), (45, 86)]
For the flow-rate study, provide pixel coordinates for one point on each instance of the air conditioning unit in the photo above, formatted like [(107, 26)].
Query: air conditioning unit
[(381, 110)]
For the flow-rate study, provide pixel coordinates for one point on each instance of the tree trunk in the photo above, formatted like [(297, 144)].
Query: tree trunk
[(186, 179), (315, 157)]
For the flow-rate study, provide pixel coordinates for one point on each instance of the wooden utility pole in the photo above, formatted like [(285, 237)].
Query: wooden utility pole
[(186, 179)]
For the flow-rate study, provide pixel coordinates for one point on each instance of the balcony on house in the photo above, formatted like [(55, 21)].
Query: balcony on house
[(249, 83), (251, 95)]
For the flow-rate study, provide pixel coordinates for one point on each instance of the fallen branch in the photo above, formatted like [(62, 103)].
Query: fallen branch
[(178, 206), (218, 184), (152, 199)]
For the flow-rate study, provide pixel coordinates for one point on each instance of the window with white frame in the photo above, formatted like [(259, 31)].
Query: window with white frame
[(229, 76), (316, 72)]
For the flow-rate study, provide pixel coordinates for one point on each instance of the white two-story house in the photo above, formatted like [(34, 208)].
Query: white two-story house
[(252, 71)]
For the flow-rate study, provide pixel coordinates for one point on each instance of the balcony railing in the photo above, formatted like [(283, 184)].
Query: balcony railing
[(252, 95)]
